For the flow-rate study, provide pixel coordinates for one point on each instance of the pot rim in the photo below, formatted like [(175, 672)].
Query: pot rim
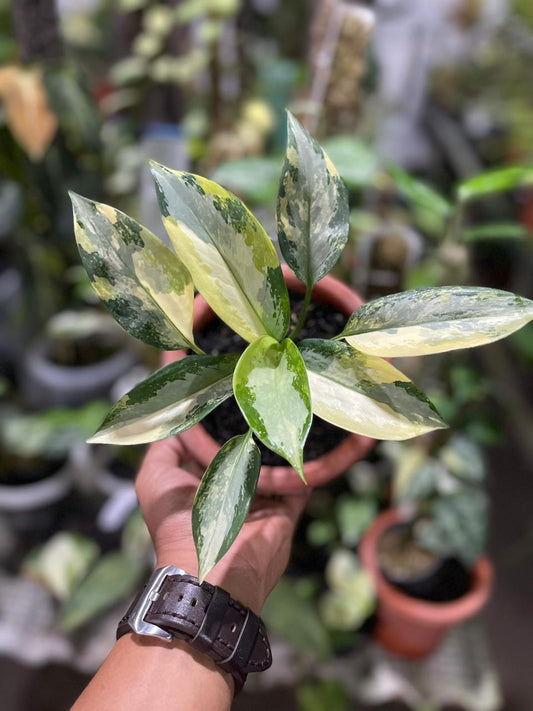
[(285, 478), (433, 614)]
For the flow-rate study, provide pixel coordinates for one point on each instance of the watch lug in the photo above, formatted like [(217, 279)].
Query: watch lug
[(149, 595)]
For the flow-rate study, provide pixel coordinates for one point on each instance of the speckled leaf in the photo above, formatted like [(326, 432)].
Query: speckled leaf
[(142, 283), (435, 319), (223, 499), (169, 401), (364, 394), (312, 209), (271, 387), (231, 258)]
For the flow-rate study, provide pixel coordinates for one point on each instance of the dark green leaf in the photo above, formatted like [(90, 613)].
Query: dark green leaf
[(495, 181), (115, 577)]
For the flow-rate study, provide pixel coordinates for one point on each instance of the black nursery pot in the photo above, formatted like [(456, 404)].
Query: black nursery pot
[(47, 382), (444, 580)]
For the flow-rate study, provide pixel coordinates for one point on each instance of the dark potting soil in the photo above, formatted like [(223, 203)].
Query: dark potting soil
[(323, 321), (82, 351), (418, 572), (17, 471)]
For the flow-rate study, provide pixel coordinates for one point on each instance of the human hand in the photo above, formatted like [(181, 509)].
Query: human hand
[(259, 555)]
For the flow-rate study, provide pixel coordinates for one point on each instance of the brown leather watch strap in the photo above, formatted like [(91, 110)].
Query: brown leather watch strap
[(210, 621)]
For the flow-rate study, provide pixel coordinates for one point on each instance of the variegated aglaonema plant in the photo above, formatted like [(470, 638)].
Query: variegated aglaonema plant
[(223, 251)]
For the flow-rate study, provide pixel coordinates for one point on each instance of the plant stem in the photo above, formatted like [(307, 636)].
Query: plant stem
[(303, 315), (196, 349)]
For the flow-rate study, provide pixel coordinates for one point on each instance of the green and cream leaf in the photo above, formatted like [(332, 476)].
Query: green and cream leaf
[(231, 259), (223, 499), (271, 387), (312, 208), (435, 319), (139, 279), (364, 394), (169, 401)]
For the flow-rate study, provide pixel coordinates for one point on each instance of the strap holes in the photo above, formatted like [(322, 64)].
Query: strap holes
[(193, 602), (180, 598), (166, 596), (234, 627)]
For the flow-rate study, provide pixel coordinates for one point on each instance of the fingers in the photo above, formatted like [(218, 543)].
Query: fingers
[(161, 473)]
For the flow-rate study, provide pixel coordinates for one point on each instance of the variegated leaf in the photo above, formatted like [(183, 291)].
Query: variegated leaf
[(271, 387), (364, 394), (169, 401), (312, 209), (142, 283), (232, 261), (435, 319), (223, 499)]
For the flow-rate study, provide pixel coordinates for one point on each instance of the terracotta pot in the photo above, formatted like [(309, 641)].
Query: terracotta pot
[(405, 625), (284, 479)]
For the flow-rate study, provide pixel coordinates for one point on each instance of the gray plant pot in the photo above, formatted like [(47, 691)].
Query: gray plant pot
[(46, 384), (31, 507), (10, 299)]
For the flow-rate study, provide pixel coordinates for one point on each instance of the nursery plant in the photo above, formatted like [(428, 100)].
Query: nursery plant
[(278, 383)]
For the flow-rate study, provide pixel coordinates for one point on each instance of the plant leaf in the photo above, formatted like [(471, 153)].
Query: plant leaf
[(312, 210), (364, 394), (271, 387), (232, 261), (435, 319), (355, 162), (458, 526), (169, 401), (494, 181), (254, 178), (418, 192), (223, 499), (495, 230), (116, 576), (142, 283)]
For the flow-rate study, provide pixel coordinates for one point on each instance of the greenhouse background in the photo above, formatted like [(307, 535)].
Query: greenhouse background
[(426, 110)]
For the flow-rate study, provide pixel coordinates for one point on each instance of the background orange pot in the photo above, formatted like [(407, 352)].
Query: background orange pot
[(405, 625), (284, 479)]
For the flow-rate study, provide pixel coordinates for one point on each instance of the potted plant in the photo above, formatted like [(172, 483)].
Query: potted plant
[(223, 251), (78, 359), (427, 555), (35, 470)]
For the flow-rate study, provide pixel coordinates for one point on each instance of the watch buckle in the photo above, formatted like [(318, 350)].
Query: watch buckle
[(149, 595)]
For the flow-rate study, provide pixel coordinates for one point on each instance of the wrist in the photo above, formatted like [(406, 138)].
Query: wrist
[(244, 585)]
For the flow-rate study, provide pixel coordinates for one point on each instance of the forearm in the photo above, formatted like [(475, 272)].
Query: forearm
[(142, 673)]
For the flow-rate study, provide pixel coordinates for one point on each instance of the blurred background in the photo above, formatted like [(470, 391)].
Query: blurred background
[(426, 109)]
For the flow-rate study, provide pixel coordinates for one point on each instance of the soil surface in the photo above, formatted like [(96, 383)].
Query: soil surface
[(400, 557), (323, 321), (82, 351), (420, 573)]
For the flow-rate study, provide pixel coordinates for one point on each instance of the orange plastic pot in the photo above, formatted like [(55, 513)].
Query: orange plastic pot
[(407, 626), (284, 479)]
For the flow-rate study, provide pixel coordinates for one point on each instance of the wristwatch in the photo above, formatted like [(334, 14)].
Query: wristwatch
[(175, 605)]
